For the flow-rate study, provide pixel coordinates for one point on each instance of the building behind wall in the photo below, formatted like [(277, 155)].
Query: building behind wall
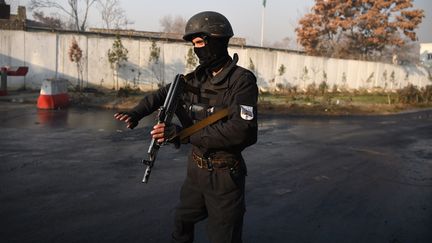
[(10, 21), (426, 54), (18, 21)]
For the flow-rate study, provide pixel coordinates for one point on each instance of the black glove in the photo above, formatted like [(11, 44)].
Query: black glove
[(129, 117), (170, 134)]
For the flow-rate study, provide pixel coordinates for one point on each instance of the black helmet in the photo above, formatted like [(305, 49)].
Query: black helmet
[(210, 23)]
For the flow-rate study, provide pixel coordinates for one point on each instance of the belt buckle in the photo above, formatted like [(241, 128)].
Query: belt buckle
[(196, 158), (200, 162), (203, 163)]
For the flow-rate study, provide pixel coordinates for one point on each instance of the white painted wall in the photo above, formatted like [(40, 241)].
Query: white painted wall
[(46, 53)]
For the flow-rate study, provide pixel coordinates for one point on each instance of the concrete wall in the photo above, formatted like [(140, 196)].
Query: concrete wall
[(46, 53)]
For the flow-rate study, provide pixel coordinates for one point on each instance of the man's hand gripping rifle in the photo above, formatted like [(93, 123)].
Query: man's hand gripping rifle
[(165, 115)]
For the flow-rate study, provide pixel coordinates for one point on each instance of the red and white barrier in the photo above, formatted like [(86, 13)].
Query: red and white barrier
[(10, 71), (53, 94)]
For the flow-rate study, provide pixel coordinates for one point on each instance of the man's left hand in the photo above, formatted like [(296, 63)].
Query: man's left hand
[(158, 132), (162, 132)]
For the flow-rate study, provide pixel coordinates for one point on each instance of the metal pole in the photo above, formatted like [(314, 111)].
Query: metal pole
[(262, 27), (57, 56), (3, 87)]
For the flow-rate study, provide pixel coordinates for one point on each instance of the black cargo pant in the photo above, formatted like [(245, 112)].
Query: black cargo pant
[(218, 195)]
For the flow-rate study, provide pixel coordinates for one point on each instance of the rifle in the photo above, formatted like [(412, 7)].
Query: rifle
[(165, 115)]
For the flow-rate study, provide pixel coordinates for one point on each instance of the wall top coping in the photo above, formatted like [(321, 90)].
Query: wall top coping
[(167, 37)]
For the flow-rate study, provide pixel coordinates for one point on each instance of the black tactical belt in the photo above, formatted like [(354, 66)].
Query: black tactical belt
[(214, 163)]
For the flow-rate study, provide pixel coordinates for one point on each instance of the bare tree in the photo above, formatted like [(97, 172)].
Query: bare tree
[(173, 25), (113, 16), (408, 53), (52, 21), (72, 10), (285, 43)]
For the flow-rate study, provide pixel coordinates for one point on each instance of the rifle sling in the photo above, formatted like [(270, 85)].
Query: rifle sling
[(187, 132)]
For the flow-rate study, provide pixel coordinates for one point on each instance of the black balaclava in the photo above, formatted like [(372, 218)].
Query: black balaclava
[(214, 54)]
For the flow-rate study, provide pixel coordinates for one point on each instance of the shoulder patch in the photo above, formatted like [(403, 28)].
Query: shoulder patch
[(246, 112)]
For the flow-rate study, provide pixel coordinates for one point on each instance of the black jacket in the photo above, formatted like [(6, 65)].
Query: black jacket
[(234, 88)]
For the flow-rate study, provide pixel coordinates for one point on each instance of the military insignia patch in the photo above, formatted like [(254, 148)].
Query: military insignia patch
[(246, 112)]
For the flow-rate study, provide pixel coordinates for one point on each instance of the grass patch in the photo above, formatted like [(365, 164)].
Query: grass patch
[(335, 103)]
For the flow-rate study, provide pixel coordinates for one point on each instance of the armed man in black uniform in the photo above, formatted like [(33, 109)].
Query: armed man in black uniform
[(215, 184)]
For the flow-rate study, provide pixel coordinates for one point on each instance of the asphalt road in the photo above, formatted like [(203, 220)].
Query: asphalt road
[(74, 176)]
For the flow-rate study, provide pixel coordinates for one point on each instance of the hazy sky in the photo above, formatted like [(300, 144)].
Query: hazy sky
[(245, 15)]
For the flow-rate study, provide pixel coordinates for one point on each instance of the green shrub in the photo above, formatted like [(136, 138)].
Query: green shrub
[(280, 87), (312, 89), (335, 88), (409, 95), (293, 90), (323, 87), (427, 94)]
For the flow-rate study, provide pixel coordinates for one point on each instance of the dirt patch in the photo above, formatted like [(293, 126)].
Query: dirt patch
[(104, 101)]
